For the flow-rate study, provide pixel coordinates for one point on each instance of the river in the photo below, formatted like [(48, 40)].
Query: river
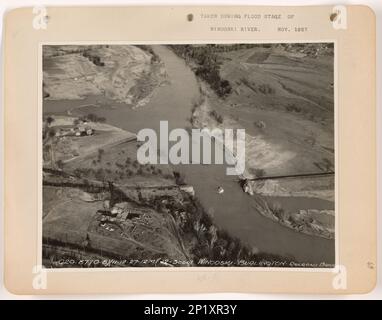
[(233, 210)]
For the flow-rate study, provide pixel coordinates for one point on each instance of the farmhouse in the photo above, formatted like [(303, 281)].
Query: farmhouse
[(188, 189), (83, 131)]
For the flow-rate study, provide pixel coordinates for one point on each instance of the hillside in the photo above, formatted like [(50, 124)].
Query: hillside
[(126, 74)]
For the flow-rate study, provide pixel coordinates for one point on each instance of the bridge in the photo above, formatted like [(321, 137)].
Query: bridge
[(302, 175)]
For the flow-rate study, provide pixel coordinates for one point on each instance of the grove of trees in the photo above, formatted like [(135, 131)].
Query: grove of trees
[(208, 65)]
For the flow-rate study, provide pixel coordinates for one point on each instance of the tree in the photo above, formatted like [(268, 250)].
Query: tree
[(49, 120), (140, 197), (225, 88), (51, 133)]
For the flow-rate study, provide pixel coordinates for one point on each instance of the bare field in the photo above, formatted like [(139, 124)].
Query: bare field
[(285, 105), (118, 163), (123, 73), (72, 221), (64, 141)]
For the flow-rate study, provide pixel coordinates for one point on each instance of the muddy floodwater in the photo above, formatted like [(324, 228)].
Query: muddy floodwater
[(232, 210)]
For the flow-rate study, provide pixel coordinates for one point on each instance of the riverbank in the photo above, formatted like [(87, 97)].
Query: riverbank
[(308, 220)]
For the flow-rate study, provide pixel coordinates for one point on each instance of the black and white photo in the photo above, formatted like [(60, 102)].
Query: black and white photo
[(188, 155)]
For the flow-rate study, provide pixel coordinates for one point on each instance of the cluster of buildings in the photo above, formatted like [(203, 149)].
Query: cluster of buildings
[(119, 212), (82, 129), (118, 218)]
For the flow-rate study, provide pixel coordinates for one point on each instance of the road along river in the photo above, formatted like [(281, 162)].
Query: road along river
[(232, 210)]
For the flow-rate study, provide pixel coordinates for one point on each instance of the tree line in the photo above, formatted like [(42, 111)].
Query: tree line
[(207, 66)]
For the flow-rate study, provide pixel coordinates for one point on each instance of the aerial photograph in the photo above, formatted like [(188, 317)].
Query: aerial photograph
[(112, 199)]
